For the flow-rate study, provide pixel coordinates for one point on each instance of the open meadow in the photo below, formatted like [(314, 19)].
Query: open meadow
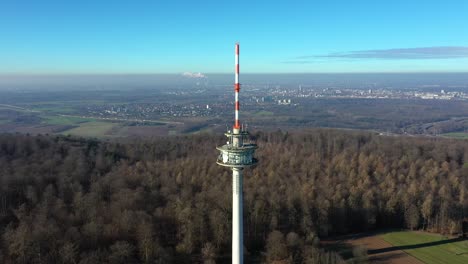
[(398, 247), (91, 129), (429, 248)]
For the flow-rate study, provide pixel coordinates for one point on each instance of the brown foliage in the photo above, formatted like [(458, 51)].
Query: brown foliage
[(165, 200)]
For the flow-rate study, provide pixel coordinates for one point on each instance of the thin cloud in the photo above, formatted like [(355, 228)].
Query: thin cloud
[(193, 75), (447, 52)]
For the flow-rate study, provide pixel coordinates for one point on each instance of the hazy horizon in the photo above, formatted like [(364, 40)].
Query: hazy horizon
[(166, 81)]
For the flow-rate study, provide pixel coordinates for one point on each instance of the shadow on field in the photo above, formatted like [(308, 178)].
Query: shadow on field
[(387, 257), (429, 244)]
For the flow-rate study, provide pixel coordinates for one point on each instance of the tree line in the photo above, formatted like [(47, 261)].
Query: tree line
[(164, 200)]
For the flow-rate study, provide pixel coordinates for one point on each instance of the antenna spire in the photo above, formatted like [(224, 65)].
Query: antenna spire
[(237, 89)]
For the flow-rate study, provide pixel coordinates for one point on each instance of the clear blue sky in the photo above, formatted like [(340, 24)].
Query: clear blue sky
[(158, 36)]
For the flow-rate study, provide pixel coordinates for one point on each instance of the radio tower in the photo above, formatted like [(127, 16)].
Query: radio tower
[(237, 154)]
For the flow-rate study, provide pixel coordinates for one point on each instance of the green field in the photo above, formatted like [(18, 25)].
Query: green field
[(430, 248), (91, 129), (459, 135), (264, 113), (65, 120)]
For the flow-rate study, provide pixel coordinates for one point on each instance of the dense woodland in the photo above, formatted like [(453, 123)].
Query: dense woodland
[(164, 200)]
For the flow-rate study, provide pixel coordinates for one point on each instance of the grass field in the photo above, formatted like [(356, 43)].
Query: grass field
[(430, 248), (459, 135), (65, 120), (264, 113), (91, 129)]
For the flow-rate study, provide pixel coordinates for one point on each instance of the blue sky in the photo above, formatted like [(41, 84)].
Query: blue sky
[(100, 36)]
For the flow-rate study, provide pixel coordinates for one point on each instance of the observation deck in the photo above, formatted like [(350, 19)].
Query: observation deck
[(238, 152)]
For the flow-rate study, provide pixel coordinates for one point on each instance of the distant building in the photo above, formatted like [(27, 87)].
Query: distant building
[(284, 101)]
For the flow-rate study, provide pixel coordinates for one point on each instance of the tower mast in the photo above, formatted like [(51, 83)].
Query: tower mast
[(237, 89), (237, 155)]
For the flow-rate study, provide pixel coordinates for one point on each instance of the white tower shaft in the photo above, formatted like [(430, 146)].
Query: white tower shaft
[(237, 217)]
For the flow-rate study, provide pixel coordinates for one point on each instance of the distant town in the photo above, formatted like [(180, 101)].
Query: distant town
[(258, 96), (429, 105)]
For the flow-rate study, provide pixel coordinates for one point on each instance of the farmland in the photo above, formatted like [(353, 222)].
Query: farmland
[(397, 247), (209, 109), (47, 117), (429, 248), (459, 135), (64, 120)]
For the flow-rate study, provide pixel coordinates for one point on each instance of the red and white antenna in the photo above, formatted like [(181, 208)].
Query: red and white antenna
[(237, 89)]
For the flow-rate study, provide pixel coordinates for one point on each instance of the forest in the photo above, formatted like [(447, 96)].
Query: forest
[(164, 200)]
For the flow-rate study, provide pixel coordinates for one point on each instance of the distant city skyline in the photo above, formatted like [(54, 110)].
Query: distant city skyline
[(117, 37)]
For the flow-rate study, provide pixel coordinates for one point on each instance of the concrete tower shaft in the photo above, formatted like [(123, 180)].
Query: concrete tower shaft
[(237, 217)]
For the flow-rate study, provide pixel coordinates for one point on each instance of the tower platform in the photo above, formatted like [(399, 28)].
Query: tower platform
[(238, 152)]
